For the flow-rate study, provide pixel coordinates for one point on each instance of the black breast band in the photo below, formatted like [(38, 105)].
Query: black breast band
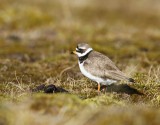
[(83, 58)]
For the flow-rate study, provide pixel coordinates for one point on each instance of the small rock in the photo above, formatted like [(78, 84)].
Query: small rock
[(39, 88), (49, 89)]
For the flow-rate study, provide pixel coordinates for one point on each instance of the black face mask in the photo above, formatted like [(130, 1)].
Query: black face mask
[(80, 50)]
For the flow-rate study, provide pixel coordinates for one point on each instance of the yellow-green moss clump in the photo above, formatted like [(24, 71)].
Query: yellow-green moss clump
[(68, 109)]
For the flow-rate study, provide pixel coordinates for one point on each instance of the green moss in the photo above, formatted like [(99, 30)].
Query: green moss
[(57, 101), (104, 100)]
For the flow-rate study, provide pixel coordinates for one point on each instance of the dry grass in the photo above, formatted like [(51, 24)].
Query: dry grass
[(36, 38)]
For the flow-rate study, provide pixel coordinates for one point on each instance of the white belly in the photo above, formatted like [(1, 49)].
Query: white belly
[(94, 78)]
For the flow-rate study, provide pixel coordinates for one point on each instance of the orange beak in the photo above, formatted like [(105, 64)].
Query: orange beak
[(73, 52)]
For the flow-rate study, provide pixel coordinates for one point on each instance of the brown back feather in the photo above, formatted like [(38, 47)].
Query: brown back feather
[(100, 65)]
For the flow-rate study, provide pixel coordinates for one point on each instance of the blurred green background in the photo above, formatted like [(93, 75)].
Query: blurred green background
[(36, 38)]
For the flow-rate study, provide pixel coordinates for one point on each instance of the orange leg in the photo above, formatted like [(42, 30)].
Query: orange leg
[(99, 87)]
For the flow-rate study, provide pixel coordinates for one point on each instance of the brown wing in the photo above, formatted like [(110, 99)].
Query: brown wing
[(100, 65)]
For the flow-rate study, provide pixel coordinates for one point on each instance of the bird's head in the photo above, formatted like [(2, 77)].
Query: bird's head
[(82, 49)]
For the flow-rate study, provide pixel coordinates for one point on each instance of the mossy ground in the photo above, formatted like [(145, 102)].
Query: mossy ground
[(36, 38)]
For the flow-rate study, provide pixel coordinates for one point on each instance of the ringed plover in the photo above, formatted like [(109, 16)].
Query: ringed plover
[(98, 67)]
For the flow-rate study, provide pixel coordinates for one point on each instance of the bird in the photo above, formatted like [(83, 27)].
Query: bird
[(98, 67)]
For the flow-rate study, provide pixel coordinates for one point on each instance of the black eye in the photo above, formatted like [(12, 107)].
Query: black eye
[(80, 50)]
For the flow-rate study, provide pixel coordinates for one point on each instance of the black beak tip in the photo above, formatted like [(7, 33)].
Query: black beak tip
[(71, 52)]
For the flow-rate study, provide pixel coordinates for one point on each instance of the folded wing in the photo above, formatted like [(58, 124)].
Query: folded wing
[(101, 66)]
